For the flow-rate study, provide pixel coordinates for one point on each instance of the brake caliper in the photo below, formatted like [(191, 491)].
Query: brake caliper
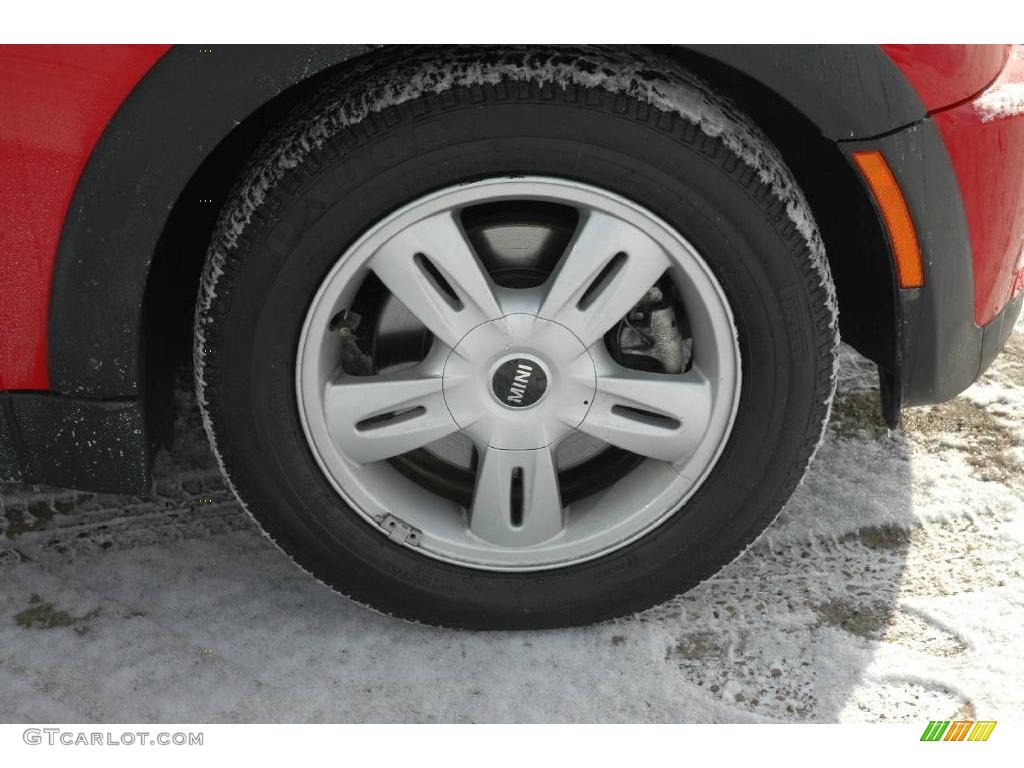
[(654, 334)]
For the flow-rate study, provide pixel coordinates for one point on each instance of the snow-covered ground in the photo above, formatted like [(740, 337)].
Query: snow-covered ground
[(890, 590)]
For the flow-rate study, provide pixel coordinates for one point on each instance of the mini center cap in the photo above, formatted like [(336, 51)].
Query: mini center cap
[(519, 382)]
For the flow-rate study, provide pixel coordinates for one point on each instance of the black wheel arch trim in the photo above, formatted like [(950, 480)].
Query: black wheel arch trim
[(190, 101), (175, 116), (847, 91)]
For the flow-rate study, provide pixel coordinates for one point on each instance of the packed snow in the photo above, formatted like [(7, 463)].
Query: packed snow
[(890, 590), (1000, 103)]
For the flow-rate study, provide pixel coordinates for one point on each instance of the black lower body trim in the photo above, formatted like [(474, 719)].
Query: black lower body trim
[(957, 367), (995, 334), (92, 445)]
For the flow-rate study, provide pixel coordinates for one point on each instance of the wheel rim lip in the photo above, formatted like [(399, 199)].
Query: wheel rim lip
[(351, 267)]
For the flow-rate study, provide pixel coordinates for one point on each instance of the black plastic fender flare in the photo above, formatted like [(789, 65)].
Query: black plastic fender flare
[(190, 101)]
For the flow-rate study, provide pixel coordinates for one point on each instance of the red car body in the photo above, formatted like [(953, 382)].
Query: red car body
[(57, 103)]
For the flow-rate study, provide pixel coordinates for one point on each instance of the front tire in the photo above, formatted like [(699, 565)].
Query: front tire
[(329, 282)]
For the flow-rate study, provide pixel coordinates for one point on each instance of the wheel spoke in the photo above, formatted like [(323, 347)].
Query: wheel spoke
[(608, 267), (432, 269), (377, 417), (656, 415), (517, 501)]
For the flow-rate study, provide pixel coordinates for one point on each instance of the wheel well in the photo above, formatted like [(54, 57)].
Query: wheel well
[(855, 244), (173, 281), (857, 251)]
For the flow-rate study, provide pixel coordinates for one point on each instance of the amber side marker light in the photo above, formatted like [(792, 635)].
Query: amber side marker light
[(896, 215)]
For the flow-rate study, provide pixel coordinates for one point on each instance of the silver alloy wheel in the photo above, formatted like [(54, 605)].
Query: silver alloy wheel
[(542, 347)]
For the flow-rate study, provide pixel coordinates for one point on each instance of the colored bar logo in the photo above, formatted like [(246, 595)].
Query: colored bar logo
[(958, 730)]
